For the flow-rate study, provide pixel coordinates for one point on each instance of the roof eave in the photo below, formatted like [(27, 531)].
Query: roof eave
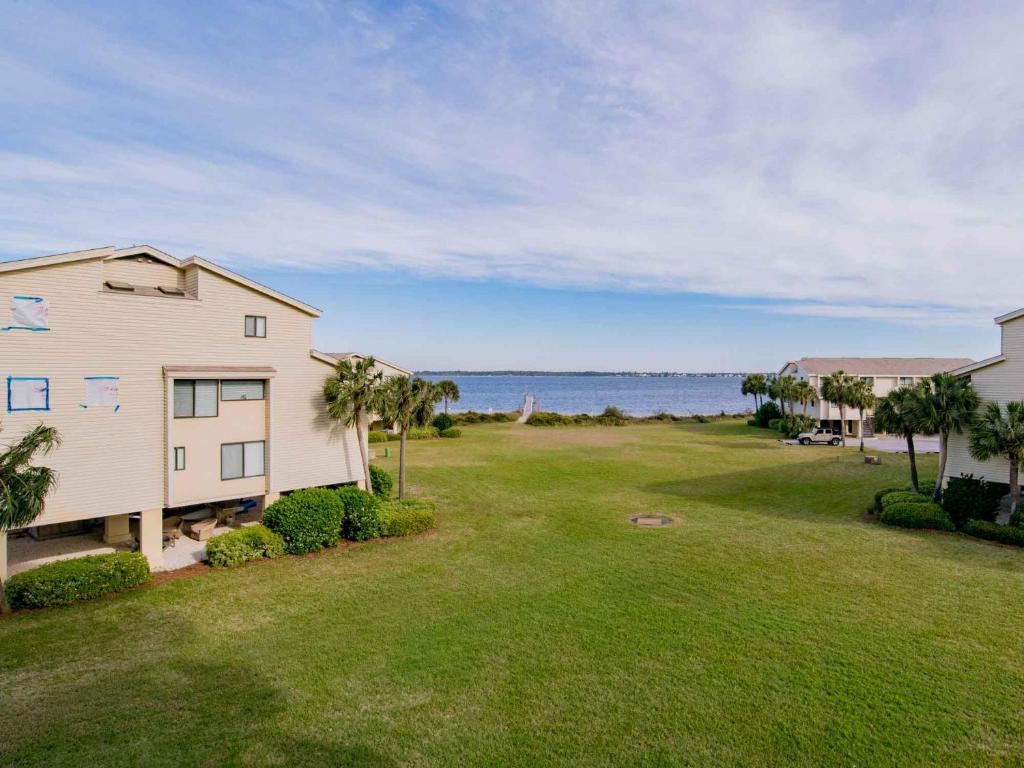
[(966, 369)]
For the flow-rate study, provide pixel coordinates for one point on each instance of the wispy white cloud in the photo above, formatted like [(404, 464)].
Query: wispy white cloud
[(836, 165)]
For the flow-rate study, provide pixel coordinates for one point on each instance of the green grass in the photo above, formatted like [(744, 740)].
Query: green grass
[(769, 625)]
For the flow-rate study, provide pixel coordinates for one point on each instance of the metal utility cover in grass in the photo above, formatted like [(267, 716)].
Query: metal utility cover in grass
[(651, 521)]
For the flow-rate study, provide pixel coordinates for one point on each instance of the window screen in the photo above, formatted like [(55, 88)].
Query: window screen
[(206, 397), (256, 325), (183, 405), (195, 398), (242, 460), (253, 459), (231, 461), (241, 389)]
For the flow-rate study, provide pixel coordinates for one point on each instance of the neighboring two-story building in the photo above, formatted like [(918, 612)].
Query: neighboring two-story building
[(884, 373), (998, 379), (172, 383)]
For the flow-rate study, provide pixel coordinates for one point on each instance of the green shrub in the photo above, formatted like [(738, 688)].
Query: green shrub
[(792, 426), (917, 515), (548, 419), (475, 417), (971, 498), (81, 578), (1005, 534), (775, 424), (452, 432), (236, 547), (377, 437), (882, 493), (701, 419), (766, 413), (404, 518), (307, 520), (904, 497), (1017, 516), (361, 519), (442, 422), (382, 482), (751, 422), (421, 433), (392, 437)]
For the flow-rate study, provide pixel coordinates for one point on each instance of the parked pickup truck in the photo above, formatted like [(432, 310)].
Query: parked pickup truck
[(820, 435)]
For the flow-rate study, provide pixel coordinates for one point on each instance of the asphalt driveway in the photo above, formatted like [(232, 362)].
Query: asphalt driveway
[(884, 444)]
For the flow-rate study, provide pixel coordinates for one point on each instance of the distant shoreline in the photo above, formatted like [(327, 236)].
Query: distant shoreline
[(636, 374)]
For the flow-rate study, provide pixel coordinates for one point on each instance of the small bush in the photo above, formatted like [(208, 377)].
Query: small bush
[(81, 578), (475, 417), (236, 547), (882, 493), (452, 432), (442, 422), (362, 514), (548, 419), (382, 482), (404, 518), (392, 437), (1017, 516), (701, 419), (751, 422), (766, 413), (792, 426), (1005, 534), (904, 497), (377, 437), (421, 433), (970, 498), (307, 520), (917, 515), (775, 424)]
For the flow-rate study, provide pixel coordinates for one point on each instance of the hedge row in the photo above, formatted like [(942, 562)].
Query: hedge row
[(81, 578), (236, 547), (405, 518), (917, 515), (1005, 534)]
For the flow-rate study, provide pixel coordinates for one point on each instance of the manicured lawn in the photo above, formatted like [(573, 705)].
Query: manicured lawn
[(769, 626)]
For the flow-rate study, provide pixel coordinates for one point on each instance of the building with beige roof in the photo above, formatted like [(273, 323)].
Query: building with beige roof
[(174, 384), (884, 373)]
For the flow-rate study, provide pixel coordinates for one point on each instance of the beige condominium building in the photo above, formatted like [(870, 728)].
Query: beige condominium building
[(884, 373), (998, 379), (172, 382)]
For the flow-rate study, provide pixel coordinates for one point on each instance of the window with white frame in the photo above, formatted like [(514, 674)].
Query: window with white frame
[(242, 460), (906, 381), (256, 326), (242, 389), (179, 458), (195, 398)]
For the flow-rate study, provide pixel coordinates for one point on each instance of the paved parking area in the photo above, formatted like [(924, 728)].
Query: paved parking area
[(883, 444)]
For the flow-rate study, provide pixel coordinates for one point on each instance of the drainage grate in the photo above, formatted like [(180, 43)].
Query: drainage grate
[(651, 521)]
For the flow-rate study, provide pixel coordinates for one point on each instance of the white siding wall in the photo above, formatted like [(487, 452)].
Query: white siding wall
[(113, 463), (1001, 383)]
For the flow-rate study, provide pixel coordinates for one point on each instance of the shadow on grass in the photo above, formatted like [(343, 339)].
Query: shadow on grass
[(179, 711)]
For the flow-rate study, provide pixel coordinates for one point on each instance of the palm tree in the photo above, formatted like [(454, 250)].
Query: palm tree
[(398, 401), (755, 384), (449, 391), (785, 387), (838, 389), (999, 432), (863, 398), (896, 413), (24, 487), (431, 397), (947, 404), (804, 393), (350, 393), (775, 392)]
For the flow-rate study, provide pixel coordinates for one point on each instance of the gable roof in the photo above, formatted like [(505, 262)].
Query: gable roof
[(109, 252), (880, 366), (359, 356)]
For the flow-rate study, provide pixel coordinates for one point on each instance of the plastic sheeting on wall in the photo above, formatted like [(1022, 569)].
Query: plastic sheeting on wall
[(29, 313), (102, 392), (27, 393)]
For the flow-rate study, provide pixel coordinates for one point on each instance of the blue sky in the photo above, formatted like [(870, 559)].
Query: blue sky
[(556, 185)]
